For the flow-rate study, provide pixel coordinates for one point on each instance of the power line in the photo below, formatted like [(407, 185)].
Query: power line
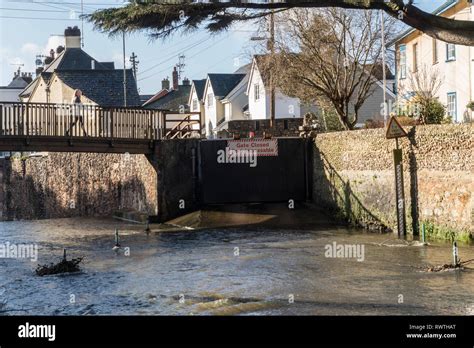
[(42, 18), (173, 46), (194, 55), (31, 10), (172, 55), (218, 62)]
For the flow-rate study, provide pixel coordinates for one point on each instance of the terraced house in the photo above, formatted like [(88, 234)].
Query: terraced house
[(72, 68), (453, 65)]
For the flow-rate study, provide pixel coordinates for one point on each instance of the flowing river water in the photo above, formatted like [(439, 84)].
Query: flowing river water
[(231, 270)]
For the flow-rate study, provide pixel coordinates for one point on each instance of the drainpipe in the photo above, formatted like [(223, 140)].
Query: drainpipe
[(48, 91)]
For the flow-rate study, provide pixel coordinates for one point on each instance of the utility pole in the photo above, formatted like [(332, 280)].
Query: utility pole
[(82, 23), (385, 106), (181, 66), (124, 72), (272, 57), (135, 62)]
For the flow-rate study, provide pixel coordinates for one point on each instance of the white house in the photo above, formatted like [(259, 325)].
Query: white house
[(453, 64), (258, 91), (236, 101), (218, 92), (195, 101)]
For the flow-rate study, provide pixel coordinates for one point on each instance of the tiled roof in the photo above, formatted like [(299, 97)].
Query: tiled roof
[(103, 84), (145, 97), (199, 85), (378, 72), (20, 81), (173, 100), (76, 59), (105, 87), (222, 84), (156, 96), (244, 69)]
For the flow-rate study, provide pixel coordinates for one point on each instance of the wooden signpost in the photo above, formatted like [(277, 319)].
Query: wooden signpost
[(395, 131)]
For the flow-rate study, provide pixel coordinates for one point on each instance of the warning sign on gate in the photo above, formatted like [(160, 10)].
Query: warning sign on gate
[(264, 147), (395, 129)]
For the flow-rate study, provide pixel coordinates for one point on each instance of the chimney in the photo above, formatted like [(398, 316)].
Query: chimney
[(186, 81), (73, 37), (165, 84), (175, 79)]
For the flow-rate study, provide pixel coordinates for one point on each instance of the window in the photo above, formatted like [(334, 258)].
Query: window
[(195, 104), (210, 99), (452, 105), (415, 57), (435, 51), (403, 61), (450, 52), (256, 91)]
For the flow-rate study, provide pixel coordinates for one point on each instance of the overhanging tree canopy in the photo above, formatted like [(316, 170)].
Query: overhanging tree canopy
[(163, 17)]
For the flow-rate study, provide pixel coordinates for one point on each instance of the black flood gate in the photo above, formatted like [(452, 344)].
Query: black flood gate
[(279, 178)]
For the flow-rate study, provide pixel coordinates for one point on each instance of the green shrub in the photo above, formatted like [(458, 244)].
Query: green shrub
[(435, 113)]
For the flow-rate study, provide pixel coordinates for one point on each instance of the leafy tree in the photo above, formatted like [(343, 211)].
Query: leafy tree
[(163, 17)]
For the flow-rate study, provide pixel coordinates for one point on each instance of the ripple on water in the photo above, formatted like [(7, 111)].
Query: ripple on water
[(201, 266)]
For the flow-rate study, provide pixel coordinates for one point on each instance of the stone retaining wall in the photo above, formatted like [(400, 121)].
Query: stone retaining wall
[(287, 127), (76, 184), (354, 176)]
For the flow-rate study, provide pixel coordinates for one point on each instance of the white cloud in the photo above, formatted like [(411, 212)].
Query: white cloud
[(117, 58), (30, 48), (26, 54), (53, 43)]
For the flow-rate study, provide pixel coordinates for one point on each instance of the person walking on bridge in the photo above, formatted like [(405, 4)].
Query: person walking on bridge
[(77, 112)]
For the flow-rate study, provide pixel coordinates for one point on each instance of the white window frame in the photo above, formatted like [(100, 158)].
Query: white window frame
[(210, 99), (415, 57), (435, 51), (403, 61), (450, 52), (451, 108), (256, 91)]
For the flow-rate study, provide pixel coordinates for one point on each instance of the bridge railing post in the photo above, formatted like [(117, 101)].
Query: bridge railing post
[(111, 124), (27, 112), (2, 126)]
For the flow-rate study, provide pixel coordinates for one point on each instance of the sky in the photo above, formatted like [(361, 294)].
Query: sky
[(32, 27)]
